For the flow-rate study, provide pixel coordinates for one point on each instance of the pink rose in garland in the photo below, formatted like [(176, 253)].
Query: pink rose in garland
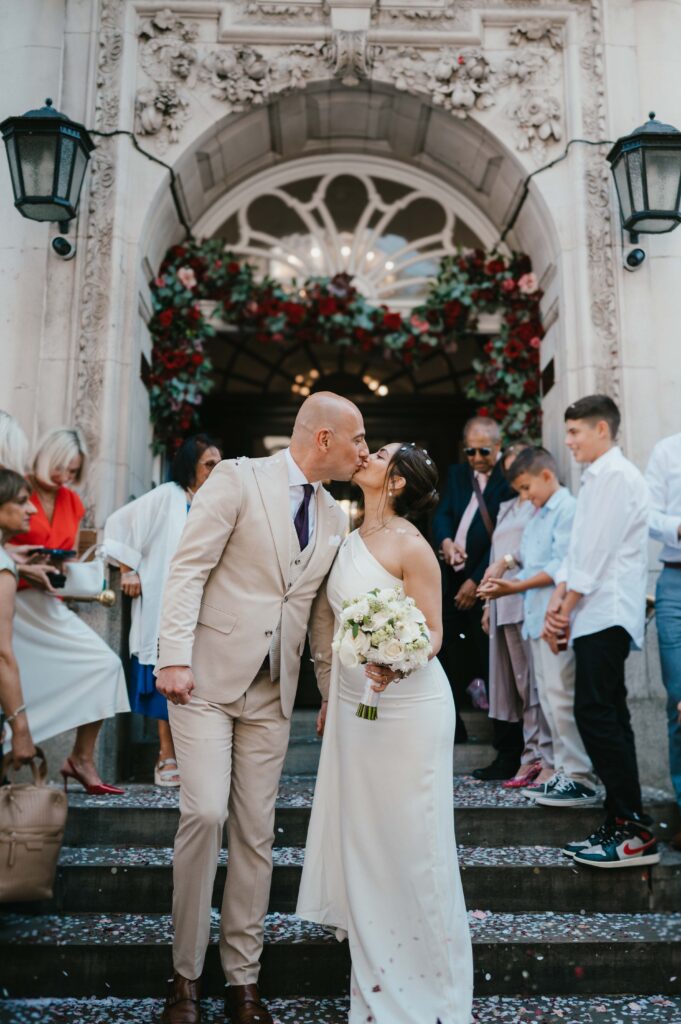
[(528, 284), (187, 277)]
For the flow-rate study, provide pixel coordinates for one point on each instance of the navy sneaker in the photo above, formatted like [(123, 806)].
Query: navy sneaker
[(582, 845), (567, 793), (623, 844)]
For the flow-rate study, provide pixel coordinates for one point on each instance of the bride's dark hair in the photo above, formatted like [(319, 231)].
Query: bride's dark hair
[(419, 496)]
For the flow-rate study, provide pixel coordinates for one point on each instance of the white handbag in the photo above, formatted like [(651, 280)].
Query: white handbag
[(85, 580)]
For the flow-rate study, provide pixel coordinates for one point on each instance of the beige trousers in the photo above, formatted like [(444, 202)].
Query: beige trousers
[(230, 758), (536, 732), (555, 675)]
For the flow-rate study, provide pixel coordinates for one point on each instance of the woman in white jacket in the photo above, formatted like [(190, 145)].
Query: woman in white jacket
[(142, 538)]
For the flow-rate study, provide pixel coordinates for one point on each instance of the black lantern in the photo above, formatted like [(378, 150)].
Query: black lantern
[(646, 166), (47, 154)]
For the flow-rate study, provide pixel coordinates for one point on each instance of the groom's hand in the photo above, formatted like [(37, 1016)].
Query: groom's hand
[(176, 682), (321, 717)]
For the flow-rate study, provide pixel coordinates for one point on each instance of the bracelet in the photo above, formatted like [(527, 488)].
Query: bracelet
[(510, 561), (10, 718), (129, 575)]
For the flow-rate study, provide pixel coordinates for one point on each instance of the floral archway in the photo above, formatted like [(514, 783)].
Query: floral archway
[(331, 311)]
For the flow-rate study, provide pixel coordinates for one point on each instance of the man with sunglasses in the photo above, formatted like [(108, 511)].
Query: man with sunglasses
[(462, 528)]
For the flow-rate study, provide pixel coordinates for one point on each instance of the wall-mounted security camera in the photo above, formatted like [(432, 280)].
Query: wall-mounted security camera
[(64, 247), (634, 257)]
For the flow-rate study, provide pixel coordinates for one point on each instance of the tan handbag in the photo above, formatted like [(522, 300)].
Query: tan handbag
[(32, 820)]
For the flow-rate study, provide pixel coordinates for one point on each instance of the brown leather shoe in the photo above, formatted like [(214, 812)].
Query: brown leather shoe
[(182, 1002), (243, 1006)]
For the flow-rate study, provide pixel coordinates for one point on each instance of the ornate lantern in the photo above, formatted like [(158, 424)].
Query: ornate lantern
[(48, 155), (646, 165)]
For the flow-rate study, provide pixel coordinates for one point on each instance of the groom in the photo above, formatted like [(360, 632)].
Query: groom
[(244, 588)]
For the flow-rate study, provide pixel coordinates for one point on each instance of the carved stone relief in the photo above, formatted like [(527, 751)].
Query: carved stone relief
[(96, 265), (464, 81)]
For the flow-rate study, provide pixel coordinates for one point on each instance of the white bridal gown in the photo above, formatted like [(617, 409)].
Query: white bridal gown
[(381, 863)]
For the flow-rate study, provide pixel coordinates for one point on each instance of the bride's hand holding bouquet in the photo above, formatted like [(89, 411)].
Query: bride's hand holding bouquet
[(384, 630)]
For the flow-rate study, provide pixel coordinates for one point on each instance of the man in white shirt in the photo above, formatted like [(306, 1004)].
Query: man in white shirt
[(600, 609), (664, 479)]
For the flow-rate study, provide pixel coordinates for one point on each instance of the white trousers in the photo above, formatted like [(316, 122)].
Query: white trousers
[(555, 675)]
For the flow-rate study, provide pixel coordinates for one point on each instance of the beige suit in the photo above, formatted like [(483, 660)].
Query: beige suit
[(237, 581)]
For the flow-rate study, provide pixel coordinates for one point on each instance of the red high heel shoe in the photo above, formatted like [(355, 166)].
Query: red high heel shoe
[(96, 789)]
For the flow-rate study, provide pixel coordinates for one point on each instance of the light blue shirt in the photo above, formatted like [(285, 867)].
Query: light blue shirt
[(543, 548)]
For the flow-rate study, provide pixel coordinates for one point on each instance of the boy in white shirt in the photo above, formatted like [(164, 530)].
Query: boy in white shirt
[(600, 608)]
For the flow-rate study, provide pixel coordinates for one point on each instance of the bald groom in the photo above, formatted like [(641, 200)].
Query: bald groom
[(245, 587)]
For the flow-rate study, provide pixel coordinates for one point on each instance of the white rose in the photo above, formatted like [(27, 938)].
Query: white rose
[(347, 651), (379, 619), (408, 631), (390, 651), (413, 614), (362, 643)]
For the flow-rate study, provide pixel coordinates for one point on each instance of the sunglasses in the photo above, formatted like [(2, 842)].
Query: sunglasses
[(470, 452)]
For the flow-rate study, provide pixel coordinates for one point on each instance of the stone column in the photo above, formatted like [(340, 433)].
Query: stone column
[(33, 45)]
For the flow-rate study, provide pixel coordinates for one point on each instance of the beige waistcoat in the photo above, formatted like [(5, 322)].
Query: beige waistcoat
[(237, 579)]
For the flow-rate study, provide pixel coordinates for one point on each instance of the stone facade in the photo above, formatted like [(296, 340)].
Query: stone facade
[(475, 94)]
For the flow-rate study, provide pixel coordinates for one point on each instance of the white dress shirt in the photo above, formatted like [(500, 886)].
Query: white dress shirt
[(664, 479), (607, 559), (468, 517), (296, 479)]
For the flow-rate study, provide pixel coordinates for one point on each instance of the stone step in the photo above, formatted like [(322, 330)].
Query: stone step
[(507, 879), (486, 1010), (302, 757), (515, 954), (485, 815)]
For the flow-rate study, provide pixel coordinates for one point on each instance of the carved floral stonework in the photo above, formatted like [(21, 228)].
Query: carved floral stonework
[(536, 31), (522, 82), (96, 261), (463, 81)]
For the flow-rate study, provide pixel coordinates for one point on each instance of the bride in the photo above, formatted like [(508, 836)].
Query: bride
[(381, 864)]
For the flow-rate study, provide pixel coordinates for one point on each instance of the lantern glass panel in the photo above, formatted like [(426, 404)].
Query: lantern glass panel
[(66, 156), (663, 168), (655, 226), (37, 154), (78, 175), (11, 145), (622, 185), (635, 162)]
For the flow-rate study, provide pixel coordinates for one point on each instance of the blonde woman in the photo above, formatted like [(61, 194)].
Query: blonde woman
[(71, 678)]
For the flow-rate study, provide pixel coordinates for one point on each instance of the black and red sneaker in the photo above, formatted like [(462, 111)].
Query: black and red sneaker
[(621, 845)]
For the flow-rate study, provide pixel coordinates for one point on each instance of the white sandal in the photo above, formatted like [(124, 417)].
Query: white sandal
[(168, 778)]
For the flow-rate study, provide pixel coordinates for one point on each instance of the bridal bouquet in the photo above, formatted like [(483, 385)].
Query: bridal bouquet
[(386, 628)]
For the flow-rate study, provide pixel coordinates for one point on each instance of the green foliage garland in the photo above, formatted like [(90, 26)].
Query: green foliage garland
[(331, 311)]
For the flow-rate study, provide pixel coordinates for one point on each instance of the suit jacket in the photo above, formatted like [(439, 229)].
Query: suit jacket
[(456, 494), (228, 585)]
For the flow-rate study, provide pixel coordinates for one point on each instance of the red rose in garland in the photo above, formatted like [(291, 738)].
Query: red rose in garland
[(333, 312)]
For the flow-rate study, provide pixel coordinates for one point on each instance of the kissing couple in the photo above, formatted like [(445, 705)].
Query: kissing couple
[(261, 565)]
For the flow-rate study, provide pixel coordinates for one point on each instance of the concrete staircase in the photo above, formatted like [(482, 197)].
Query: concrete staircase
[(553, 942)]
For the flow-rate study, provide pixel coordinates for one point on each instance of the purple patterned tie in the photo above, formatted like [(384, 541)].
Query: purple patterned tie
[(302, 519)]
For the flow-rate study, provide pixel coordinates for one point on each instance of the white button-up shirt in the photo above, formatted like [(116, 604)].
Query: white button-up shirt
[(664, 479), (607, 559), (296, 479)]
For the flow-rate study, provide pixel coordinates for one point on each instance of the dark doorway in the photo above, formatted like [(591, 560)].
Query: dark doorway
[(259, 389)]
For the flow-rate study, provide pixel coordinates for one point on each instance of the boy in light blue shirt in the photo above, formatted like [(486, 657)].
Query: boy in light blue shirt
[(543, 549)]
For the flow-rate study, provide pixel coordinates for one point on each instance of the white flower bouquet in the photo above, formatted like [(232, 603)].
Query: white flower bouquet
[(385, 628)]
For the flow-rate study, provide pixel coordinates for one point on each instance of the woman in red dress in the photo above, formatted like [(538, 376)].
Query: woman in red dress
[(71, 677)]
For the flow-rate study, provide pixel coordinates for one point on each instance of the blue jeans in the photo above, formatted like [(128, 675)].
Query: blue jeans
[(668, 613)]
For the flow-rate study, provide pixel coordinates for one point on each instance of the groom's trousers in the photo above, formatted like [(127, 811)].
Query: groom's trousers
[(230, 758)]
